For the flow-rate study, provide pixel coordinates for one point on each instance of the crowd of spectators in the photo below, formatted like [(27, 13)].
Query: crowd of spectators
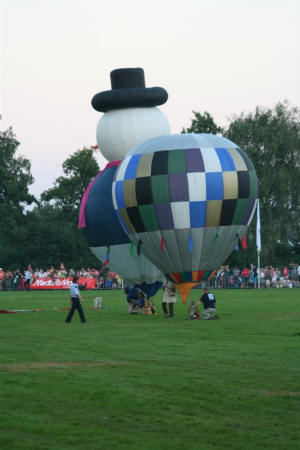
[(225, 277), (252, 277), (15, 280)]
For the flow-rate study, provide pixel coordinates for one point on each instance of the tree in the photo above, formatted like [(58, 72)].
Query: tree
[(271, 138), (79, 169), (15, 179), (203, 123), (42, 241)]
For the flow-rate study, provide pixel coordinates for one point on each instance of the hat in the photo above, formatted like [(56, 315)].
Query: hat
[(128, 91)]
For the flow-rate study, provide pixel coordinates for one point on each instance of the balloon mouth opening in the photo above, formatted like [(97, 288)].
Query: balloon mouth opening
[(184, 289)]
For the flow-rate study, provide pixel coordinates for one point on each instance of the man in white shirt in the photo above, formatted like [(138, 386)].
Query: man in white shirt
[(169, 298), (27, 279), (75, 299)]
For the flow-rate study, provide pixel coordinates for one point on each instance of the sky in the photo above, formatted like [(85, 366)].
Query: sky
[(222, 57)]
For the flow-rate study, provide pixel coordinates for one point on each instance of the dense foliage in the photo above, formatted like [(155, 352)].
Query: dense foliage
[(48, 234), (15, 180), (79, 169), (202, 123)]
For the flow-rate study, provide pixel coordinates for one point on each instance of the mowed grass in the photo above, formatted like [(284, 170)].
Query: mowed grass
[(146, 382)]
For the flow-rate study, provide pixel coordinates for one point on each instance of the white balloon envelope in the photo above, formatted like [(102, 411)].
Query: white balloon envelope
[(120, 130)]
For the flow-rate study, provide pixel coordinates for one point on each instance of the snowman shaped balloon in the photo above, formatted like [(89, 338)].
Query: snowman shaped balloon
[(130, 113)]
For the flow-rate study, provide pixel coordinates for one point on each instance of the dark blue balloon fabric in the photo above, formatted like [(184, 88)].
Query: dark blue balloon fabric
[(150, 289), (103, 226)]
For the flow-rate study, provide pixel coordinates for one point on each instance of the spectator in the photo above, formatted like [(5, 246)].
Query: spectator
[(2, 277), (9, 280), (51, 272), (253, 275), (27, 279), (236, 276), (101, 283), (245, 276), (226, 277), (273, 276), (262, 278), (18, 280), (285, 272)]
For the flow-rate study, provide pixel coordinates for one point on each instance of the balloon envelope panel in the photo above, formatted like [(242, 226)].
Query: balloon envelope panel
[(129, 265), (185, 198), (102, 225), (119, 131)]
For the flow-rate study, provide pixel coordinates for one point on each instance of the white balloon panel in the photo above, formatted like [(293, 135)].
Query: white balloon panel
[(118, 131)]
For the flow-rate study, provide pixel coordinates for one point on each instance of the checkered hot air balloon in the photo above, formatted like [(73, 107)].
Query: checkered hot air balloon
[(184, 199)]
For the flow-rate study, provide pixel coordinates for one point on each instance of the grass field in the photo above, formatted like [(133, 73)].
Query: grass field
[(145, 382)]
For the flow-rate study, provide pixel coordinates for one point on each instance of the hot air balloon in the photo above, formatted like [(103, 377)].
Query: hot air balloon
[(130, 113), (184, 200), (107, 239)]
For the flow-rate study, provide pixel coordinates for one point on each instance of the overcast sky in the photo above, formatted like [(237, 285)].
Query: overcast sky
[(222, 57)]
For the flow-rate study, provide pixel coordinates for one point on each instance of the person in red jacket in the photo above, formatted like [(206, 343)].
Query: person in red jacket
[(285, 272), (245, 276), (2, 276)]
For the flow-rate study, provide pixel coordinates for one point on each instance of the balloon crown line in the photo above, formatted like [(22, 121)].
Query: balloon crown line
[(128, 91)]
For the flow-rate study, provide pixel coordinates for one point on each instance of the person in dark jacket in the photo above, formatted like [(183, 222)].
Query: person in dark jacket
[(208, 301), (18, 280), (132, 298)]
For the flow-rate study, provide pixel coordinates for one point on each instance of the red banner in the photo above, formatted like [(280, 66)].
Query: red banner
[(62, 283)]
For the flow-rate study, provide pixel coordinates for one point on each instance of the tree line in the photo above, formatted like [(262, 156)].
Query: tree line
[(47, 233)]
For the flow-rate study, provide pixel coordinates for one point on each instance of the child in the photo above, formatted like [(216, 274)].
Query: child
[(194, 312)]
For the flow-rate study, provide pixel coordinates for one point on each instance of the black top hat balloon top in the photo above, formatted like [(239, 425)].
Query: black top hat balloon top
[(129, 91)]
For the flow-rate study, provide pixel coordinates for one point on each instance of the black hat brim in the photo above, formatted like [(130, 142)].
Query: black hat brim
[(129, 98)]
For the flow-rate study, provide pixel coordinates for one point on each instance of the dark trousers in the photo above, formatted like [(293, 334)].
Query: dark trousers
[(165, 309), (76, 305), (27, 284), (19, 284)]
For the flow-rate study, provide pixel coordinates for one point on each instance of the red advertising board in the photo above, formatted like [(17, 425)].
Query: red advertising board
[(62, 283)]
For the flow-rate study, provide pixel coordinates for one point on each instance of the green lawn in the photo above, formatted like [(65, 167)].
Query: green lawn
[(145, 382)]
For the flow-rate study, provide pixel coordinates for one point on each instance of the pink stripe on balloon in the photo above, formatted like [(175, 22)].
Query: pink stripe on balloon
[(84, 200)]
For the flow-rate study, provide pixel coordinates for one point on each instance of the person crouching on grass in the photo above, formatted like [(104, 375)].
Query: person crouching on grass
[(208, 301), (75, 299)]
